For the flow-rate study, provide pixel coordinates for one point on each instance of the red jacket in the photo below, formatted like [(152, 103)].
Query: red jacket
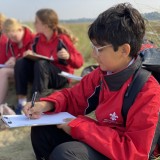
[(108, 135), (3, 41), (147, 45), (11, 48), (49, 49)]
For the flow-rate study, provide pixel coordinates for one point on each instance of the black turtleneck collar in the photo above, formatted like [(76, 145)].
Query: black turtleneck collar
[(115, 81)]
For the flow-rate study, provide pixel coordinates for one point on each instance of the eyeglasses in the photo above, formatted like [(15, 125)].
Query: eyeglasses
[(97, 49)]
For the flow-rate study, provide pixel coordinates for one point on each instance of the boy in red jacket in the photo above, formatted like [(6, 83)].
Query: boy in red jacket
[(116, 37)]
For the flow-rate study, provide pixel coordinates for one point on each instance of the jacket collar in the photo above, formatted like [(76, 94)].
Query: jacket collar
[(43, 38), (116, 81)]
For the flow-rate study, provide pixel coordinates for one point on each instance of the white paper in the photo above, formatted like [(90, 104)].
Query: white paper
[(3, 66), (71, 76), (22, 120)]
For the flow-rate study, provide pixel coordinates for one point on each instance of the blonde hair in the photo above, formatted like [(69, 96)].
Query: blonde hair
[(62, 30), (2, 18), (49, 17), (11, 24)]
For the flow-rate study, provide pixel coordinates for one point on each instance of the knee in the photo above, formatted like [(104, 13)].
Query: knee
[(3, 72), (18, 66), (62, 152), (58, 153), (19, 62), (6, 73), (40, 63), (41, 66)]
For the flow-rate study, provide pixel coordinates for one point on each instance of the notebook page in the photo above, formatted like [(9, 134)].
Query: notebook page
[(71, 76)]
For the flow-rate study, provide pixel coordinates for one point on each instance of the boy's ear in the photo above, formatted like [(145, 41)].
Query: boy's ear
[(125, 49)]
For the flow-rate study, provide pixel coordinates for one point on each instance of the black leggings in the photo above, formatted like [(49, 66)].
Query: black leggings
[(51, 143), (42, 74)]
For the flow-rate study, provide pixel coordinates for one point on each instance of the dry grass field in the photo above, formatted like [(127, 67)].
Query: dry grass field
[(15, 143)]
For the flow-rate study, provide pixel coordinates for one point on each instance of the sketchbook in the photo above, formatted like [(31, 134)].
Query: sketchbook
[(46, 119), (37, 57), (70, 76)]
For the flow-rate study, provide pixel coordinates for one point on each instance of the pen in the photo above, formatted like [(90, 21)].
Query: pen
[(33, 100)]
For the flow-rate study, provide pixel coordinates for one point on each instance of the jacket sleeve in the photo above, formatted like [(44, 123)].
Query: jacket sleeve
[(76, 58), (119, 143), (74, 100), (3, 56)]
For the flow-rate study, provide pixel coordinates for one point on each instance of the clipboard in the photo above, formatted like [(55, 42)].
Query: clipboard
[(35, 56), (13, 121), (70, 76)]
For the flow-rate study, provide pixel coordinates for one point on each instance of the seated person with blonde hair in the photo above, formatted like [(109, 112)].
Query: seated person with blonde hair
[(19, 40)]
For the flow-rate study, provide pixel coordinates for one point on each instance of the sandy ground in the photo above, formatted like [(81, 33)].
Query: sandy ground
[(15, 144)]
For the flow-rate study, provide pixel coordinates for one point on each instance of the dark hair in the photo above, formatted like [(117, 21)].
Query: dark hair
[(49, 17), (119, 25)]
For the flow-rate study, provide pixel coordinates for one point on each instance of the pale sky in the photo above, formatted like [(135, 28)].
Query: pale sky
[(24, 10)]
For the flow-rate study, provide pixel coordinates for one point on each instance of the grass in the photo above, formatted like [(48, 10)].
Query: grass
[(153, 32)]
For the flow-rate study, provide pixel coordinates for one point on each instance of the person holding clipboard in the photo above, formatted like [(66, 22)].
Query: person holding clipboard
[(116, 36), (54, 42)]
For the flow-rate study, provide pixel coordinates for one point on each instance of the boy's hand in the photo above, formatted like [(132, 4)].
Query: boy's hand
[(36, 111), (65, 126)]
